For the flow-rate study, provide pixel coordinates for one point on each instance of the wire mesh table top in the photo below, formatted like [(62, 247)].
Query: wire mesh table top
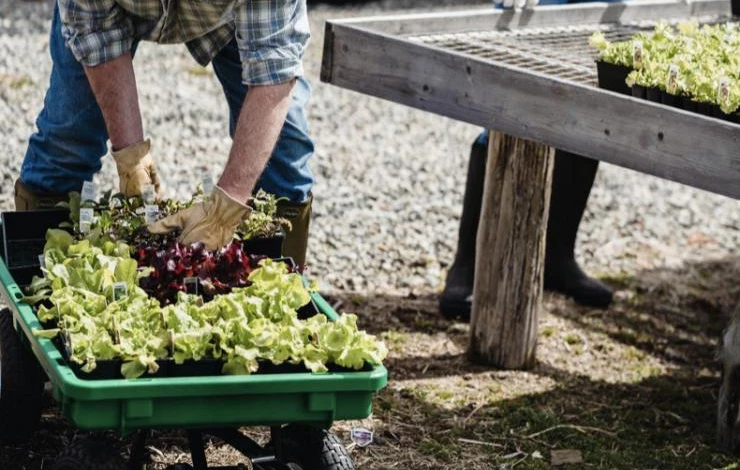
[(560, 51)]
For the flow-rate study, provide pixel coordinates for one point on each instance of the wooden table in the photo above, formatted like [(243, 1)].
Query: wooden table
[(530, 75)]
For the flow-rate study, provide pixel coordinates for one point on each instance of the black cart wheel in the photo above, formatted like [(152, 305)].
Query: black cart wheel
[(21, 385), (90, 454), (309, 448)]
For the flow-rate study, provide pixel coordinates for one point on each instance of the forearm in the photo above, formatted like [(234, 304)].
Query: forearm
[(257, 130), (114, 86)]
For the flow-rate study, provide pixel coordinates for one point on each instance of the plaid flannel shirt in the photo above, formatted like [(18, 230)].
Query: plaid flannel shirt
[(271, 34)]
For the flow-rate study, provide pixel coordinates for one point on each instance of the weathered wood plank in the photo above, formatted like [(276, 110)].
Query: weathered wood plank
[(581, 13), (666, 142), (511, 252)]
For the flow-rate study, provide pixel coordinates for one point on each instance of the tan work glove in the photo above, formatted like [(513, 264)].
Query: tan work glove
[(212, 222), (136, 169)]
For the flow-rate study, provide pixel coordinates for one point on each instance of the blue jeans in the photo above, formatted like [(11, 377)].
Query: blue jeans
[(72, 138)]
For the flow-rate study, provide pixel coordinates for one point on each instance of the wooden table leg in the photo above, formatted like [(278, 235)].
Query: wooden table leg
[(511, 252)]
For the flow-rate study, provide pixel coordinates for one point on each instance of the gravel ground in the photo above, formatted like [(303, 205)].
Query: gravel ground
[(389, 179)]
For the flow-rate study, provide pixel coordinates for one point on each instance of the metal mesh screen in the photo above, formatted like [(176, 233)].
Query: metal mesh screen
[(561, 51)]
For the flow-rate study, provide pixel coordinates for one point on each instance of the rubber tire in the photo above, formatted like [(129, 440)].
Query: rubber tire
[(310, 448), (90, 454), (21, 385)]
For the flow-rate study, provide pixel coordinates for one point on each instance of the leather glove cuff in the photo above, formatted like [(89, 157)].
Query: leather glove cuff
[(129, 157), (225, 209)]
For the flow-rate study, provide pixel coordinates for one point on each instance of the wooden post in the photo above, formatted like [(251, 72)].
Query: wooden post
[(511, 252)]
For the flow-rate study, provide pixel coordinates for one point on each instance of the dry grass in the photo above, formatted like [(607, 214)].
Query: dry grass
[(633, 387)]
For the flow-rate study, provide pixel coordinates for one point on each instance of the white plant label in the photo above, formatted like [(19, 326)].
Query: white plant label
[(148, 193), (151, 213), (637, 53), (86, 219), (723, 90), (361, 437), (88, 191), (672, 85)]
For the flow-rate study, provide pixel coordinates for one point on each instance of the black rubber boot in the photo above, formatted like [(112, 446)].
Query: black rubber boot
[(573, 177), (296, 240), (27, 200), (456, 298)]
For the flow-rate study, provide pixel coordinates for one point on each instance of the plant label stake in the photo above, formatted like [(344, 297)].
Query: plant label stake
[(637, 55), (151, 213), (120, 290), (723, 91), (361, 437), (88, 191), (86, 219), (147, 193), (171, 336), (42, 261), (191, 285), (672, 85)]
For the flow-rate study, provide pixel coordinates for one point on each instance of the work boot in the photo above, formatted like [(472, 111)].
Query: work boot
[(27, 200), (572, 179), (296, 240), (456, 298)]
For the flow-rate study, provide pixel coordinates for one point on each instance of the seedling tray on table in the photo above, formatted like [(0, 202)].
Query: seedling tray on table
[(215, 401), (532, 74)]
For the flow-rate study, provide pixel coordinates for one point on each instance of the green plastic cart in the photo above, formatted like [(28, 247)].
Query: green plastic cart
[(299, 408)]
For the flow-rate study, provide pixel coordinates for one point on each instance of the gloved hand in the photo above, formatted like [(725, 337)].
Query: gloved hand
[(518, 4), (136, 169), (212, 222)]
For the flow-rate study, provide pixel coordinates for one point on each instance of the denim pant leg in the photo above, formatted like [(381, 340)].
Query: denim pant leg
[(287, 173), (71, 137)]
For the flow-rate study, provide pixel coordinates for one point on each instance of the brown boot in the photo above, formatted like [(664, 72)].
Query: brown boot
[(27, 200), (296, 240)]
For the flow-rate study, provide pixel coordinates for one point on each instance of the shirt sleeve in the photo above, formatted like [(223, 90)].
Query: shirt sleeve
[(272, 36), (96, 31)]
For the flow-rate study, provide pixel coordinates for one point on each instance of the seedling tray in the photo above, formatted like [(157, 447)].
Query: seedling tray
[(191, 402), (531, 74), (612, 77)]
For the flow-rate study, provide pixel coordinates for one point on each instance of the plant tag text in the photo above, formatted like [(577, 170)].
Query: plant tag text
[(361, 437)]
